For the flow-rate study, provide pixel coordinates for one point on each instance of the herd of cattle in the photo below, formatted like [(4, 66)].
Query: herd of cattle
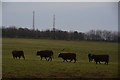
[(65, 56)]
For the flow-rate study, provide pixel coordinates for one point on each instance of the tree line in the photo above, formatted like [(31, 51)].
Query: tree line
[(92, 35)]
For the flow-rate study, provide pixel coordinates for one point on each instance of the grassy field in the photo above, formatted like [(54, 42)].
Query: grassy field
[(32, 67)]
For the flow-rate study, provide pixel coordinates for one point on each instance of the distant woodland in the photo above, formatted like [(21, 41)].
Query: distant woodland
[(92, 35)]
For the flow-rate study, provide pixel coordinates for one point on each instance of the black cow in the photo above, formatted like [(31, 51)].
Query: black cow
[(100, 58), (69, 56), (45, 53), (18, 54)]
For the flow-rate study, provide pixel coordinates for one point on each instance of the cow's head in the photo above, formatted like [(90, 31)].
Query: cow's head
[(90, 56), (60, 55), (38, 53)]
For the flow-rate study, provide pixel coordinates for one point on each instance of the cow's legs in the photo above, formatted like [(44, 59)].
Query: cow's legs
[(41, 58), (46, 59), (96, 62), (19, 57), (71, 60), (74, 60), (23, 57), (106, 62), (90, 59), (99, 62), (66, 60), (50, 58)]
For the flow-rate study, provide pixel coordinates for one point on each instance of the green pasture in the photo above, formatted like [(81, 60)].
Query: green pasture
[(33, 67)]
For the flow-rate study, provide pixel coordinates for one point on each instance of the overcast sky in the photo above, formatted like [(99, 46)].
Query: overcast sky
[(74, 16)]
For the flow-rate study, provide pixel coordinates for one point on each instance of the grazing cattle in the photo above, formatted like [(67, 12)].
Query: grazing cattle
[(69, 56), (18, 54), (45, 53), (100, 58)]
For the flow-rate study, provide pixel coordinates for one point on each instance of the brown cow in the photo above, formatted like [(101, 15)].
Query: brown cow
[(100, 58), (69, 56), (45, 53), (18, 54)]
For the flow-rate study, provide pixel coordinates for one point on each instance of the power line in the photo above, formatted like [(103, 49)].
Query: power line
[(54, 21), (33, 20), (54, 26)]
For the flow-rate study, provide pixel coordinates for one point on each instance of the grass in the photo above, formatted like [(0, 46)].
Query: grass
[(32, 67)]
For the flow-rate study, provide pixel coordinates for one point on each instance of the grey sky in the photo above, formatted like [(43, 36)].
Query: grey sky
[(72, 16)]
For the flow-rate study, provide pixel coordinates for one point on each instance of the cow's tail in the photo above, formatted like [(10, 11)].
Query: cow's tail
[(75, 60), (23, 55), (52, 56), (108, 59)]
